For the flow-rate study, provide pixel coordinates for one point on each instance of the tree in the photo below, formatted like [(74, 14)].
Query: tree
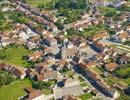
[(41, 85), (59, 25), (1, 16)]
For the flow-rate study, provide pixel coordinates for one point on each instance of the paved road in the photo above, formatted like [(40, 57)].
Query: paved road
[(85, 77)]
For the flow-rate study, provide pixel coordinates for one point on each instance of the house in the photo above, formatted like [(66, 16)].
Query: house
[(35, 55), (50, 59), (123, 59), (54, 49), (99, 46), (49, 75), (111, 66), (50, 41), (33, 95), (31, 45), (120, 85), (49, 16), (99, 56), (6, 40), (17, 71), (101, 35), (120, 37), (2, 65), (61, 64), (71, 82), (40, 30), (123, 17), (105, 42), (85, 15), (91, 64), (85, 51), (68, 53), (42, 67), (31, 24), (31, 72), (88, 64)]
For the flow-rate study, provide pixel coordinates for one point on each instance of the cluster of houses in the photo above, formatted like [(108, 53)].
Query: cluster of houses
[(17, 71), (58, 51), (86, 21), (37, 16), (76, 50)]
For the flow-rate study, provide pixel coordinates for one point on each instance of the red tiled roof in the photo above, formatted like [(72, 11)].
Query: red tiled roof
[(111, 66)]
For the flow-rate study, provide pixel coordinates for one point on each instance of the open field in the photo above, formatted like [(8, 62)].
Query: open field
[(14, 90), (14, 56)]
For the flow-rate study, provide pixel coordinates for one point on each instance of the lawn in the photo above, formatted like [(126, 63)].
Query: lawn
[(99, 70), (86, 96), (84, 84), (127, 80), (112, 80), (15, 56), (69, 73), (14, 90), (47, 91), (123, 71)]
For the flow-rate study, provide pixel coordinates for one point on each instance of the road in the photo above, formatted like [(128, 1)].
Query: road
[(88, 81)]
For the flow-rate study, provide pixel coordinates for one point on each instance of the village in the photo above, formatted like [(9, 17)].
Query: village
[(88, 59)]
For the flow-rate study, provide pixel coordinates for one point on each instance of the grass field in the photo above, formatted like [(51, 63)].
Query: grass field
[(14, 90), (15, 56)]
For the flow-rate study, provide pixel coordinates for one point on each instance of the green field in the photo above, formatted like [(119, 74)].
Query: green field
[(14, 56), (14, 90)]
